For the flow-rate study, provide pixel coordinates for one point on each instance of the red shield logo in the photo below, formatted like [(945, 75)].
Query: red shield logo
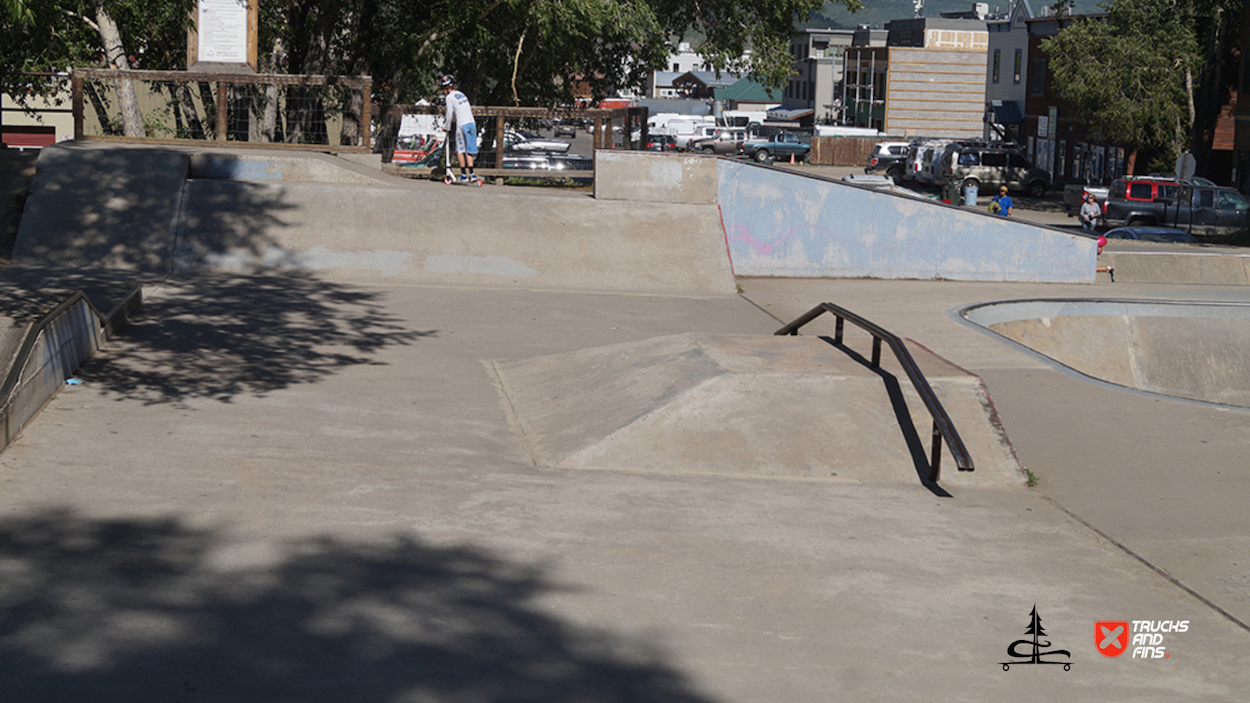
[(1111, 637)]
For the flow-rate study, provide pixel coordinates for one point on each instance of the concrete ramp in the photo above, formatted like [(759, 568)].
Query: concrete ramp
[(113, 207), (160, 210), (1198, 351), (454, 236), (746, 406)]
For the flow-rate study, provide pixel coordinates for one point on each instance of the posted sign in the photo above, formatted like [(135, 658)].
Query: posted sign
[(224, 35)]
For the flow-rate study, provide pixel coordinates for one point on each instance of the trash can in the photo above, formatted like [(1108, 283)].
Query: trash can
[(970, 195), (950, 193)]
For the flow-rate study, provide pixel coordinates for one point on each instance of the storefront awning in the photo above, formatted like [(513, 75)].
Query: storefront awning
[(1007, 112)]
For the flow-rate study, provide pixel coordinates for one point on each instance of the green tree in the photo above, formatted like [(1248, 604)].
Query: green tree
[(529, 52), (57, 35), (1145, 75)]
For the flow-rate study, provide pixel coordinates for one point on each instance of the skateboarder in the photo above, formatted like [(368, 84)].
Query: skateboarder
[(460, 112)]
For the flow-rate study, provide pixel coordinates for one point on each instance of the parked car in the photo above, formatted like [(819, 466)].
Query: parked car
[(566, 128), (782, 144), (661, 142), (1203, 210), (889, 158), (991, 166), (728, 141), (517, 140), (687, 134), (1149, 234)]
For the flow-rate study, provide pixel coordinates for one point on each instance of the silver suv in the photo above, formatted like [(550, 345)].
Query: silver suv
[(990, 167)]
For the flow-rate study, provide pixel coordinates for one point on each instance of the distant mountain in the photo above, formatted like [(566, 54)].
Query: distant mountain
[(877, 12)]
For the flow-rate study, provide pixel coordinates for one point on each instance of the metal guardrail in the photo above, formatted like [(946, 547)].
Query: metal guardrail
[(943, 427)]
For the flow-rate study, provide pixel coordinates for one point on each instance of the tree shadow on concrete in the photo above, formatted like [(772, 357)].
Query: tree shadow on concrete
[(218, 336), (154, 610)]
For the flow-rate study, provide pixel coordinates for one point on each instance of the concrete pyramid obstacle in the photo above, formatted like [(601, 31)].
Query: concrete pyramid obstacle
[(748, 406)]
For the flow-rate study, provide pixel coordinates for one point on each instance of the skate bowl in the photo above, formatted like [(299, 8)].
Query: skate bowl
[(1194, 350)]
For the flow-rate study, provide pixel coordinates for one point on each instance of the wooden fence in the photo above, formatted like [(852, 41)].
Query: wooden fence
[(272, 111), (843, 151)]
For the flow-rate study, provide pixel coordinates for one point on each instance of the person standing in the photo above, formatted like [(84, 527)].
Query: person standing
[(460, 112), (1004, 202), (1090, 212)]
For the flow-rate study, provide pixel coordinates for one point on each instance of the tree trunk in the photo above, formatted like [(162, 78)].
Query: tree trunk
[(115, 54), (269, 116)]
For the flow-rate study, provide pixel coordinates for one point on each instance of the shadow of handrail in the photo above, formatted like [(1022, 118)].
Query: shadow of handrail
[(105, 328), (943, 427)]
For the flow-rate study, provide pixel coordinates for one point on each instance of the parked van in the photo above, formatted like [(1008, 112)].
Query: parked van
[(923, 160), (990, 166)]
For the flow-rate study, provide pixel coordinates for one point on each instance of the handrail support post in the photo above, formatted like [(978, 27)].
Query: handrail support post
[(935, 456)]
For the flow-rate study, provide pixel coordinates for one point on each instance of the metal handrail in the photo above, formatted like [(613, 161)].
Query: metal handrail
[(943, 427)]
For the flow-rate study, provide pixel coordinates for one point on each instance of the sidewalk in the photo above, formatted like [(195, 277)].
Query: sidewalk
[(286, 488)]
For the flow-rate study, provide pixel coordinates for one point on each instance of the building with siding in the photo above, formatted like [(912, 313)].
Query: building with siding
[(929, 79), (816, 81), (1006, 75)]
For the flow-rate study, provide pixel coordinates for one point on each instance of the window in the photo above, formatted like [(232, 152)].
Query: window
[(968, 158), (676, 67), (1018, 161), (1232, 200), (998, 58), (994, 159), (1140, 191), (1037, 77), (1016, 71)]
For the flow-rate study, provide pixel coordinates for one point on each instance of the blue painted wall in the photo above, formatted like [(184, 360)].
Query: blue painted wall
[(791, 225)]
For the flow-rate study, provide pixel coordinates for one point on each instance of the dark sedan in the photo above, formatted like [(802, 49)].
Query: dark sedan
[(661, 142), (1149, 234)]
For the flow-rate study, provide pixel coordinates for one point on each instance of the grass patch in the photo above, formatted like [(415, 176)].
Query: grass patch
[(1032, 478)]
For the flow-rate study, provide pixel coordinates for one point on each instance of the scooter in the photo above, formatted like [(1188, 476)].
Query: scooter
[(450, 178)]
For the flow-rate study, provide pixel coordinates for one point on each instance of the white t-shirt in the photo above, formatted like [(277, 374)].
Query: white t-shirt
[(459, 108)]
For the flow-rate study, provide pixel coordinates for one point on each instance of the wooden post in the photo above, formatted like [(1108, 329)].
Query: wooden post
[(220, 124), (608, 143), (76, 100)]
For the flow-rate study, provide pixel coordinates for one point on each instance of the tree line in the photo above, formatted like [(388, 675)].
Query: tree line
[(1149, 74)]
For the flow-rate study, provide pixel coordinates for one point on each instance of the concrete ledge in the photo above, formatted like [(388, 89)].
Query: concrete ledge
[(1224, 269), (265, 166), (655, 177), (50, 350), (59, 345)]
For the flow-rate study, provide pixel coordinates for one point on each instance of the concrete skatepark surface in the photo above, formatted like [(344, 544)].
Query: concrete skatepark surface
[(303, 487)]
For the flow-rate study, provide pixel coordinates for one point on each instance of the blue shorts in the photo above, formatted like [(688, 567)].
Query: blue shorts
[(466, 139)]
